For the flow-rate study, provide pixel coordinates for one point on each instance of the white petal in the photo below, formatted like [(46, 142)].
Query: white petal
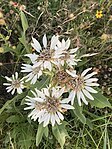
[(54, 41), (60, 116), (40, 94), (87, 94), (46, 121), (65, 100), (73, 73), (52, 119), (48, 65), (90, 89), (28, 108), (46, 91), (32, 113), (13, 77), (74, 50), (57, 119), (91, 80), (79, 98), (33, 57), (60, 92), (16, 74), (72, 97), (33, 81), (45, 41), (83, 98), (67, 106), (9, 89), (19, 90), (29, 76), (34, 93), (67, 44), (36, 45), (85, 71), (63, 44), (7, 84), (89, 75), (9, 79), (59, 44), (91, 84), (38, 99), (13, 91)]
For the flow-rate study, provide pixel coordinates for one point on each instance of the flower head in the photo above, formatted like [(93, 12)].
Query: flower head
[(68, 56), (81, 85), (47, 106), (99, 14), (35, 71), (46, 55), (16, 84)]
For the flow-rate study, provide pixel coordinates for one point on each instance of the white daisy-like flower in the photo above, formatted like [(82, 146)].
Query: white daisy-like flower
[(68, 55), (16, 84), (81, 86), (47, 106), (35, 71), (46, 55)]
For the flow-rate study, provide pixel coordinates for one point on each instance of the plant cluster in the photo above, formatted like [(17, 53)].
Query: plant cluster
[(51, 90)]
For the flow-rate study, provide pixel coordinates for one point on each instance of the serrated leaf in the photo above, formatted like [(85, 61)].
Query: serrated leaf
[(24, 21), (60, 133), (100, 101), (39, 134), (78, 112)]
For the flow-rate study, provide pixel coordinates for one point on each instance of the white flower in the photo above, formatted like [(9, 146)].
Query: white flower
[(67, 55), (46, 55), (35, 72), (81, 85), (16, 84), (47, 106)]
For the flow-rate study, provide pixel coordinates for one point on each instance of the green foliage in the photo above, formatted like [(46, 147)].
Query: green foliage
[(100, 101), (24, 21), (78, 112), (60, 134), (88, 127), (40, 132)]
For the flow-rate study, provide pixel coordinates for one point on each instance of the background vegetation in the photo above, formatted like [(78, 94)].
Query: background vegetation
[(69, 18)]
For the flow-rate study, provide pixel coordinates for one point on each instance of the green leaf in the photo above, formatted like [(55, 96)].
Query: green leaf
[(46, 130), (89, 123), (78, 112), (24, 21), (24, 42), (100, 101), (60, 133), (39, 134), (15, 119), (19, 96)]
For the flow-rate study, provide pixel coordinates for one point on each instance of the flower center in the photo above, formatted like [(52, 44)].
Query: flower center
[(52, 105), (45, 55), (16, 83), (76, 83), (61, 77)]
